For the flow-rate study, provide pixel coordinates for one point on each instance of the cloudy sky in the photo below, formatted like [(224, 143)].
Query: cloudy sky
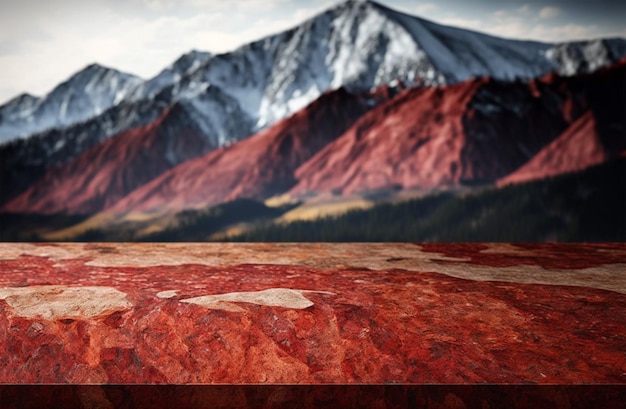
[(43, 42)]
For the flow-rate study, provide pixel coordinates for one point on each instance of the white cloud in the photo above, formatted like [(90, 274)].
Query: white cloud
[(499, 14), (525, 9), (520, 28), (161, 5), (425, 8), (567, 32), (549, 12)]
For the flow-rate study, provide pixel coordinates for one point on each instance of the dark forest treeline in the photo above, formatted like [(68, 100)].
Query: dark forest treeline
[(587, 206)]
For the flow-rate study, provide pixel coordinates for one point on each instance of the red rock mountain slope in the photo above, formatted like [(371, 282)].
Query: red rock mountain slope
[(258, 167), (598, 135), (413, 140), (475, 132), (478, 132), (107, 172), (577, 148)]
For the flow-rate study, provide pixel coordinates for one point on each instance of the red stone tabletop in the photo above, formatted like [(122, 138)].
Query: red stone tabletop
[(315, 314)]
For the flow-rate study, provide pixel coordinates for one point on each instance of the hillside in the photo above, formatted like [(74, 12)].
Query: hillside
[(474, 133), (102, 175), (255, 168)]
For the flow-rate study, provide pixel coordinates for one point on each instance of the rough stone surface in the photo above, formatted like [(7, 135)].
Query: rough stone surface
[(361, 314)]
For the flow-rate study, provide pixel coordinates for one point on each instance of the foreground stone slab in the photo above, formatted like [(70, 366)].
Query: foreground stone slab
[(312, 314)]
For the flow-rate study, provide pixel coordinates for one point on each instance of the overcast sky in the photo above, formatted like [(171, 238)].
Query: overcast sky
[(43, 42)]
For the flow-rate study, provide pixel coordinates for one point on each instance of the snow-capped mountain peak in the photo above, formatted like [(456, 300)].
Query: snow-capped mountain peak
[(360, 45), (97, 85), (585, 56), (363, 44), (21, 105), (354, 45), (190, 61), (87, 93)]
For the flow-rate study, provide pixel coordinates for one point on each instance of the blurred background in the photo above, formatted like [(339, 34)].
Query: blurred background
[(305, 120)]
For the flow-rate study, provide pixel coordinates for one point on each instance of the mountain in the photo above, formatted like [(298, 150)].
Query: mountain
[(359, 45), (586, 56), (107, 172), (85, 94), (362, 45), (20, 107), (470, 133), (24, 161), (597, 130), (471, 105), (413, 140), (257, 167)]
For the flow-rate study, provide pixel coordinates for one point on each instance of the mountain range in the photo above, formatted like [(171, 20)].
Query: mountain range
[(358, 99)]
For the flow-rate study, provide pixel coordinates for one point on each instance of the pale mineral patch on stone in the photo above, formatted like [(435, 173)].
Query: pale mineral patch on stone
[(58, 301), (224, 306), (167, 294), (273, 297)]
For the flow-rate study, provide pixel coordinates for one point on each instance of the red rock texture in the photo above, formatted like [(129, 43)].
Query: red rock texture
[(107, 172), (257, 167), (365, 326)]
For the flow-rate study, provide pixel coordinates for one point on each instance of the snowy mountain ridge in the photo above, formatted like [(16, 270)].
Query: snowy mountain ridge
[(86, 94), (184, 65), (360, 45)]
